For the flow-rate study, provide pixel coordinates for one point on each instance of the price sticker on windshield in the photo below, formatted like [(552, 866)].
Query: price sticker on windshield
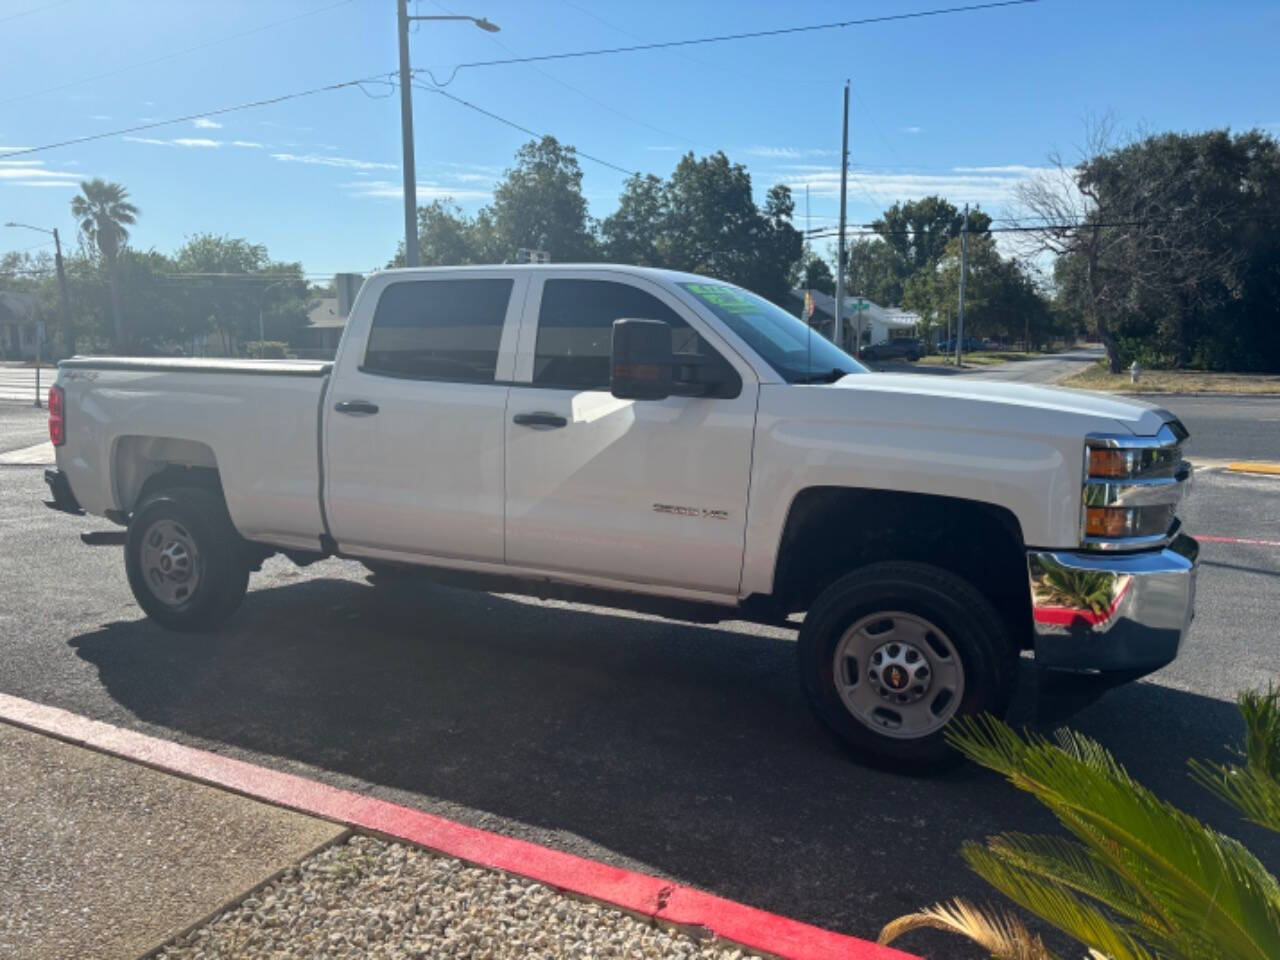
[(724, 297)]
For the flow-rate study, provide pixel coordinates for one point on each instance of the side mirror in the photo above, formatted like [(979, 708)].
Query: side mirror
[(642, 364)]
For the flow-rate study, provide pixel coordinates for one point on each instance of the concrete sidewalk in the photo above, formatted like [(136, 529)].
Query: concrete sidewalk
[(112, 846), (104, 858)]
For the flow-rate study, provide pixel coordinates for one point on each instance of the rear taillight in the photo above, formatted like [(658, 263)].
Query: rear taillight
[(57, 419)]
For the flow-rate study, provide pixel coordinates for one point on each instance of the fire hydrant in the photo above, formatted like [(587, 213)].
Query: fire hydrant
[(1135, 371)]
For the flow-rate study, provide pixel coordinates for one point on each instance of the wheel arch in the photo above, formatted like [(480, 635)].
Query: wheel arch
[(143, 464), (832, 530)]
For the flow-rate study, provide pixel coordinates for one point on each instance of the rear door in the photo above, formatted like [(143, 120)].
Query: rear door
[(647, 491), (415, 416)]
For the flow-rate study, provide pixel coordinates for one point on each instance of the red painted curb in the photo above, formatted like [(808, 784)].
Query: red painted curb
[(634, 892)]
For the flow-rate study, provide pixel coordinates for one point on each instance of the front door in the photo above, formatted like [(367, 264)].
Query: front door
[(415, 419), (648, 491)]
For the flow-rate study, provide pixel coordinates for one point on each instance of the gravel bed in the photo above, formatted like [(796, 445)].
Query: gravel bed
[(368, 898)]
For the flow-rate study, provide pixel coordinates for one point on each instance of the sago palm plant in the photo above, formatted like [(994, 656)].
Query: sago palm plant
[(1138, 879)]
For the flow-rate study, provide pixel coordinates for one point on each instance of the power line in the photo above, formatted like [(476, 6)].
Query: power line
[(582, 93), (170, 56), (26, 13), (723, 38), (522, 129), (192, 116)]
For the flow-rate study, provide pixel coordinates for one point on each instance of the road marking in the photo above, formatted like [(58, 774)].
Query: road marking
[(1204, 537), (40, 455)]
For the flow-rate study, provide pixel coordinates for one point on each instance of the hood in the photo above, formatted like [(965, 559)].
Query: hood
[(1142, 419)]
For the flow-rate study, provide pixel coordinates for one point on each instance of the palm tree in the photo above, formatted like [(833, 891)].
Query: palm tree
[(1137, 878), (103, 210)]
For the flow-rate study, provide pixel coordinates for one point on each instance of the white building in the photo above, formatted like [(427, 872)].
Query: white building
[(878, 323)]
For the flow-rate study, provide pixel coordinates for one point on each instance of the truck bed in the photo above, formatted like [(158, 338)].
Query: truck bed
[(257, 422)]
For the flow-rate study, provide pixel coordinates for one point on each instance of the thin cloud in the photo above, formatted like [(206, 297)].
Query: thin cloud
[(33, 173), (204, 123), (788, 153), (100, 116), (993, 187), (912, 130), (389, 189), (197, 142), (247, 143), (346, 163), (12, 149)]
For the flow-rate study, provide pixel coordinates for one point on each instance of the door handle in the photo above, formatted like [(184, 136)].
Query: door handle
[(540, 420), (356, 407)]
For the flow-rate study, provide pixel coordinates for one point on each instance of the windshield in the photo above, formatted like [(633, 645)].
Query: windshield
[(786, 343)]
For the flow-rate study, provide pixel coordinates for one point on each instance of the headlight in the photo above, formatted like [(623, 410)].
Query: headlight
[(1132, 487)]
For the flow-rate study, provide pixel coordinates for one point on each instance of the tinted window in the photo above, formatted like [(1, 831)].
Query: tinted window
[(575, 330), (439, 329)]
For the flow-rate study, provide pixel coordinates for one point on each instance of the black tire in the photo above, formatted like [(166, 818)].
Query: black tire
[(976, 633), (912, 357), (220, 564)]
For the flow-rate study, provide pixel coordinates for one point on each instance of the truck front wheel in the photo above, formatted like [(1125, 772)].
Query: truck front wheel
[(184, 559), (891, 653)]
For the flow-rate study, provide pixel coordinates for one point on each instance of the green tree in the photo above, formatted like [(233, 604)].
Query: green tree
[(919, 230), (539, 204), (1171, 253), (877, 271), (634, 232), (227, 285), (104, 213), (816, 275)]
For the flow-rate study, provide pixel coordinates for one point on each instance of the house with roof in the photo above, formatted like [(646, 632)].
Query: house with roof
[(879, 324)]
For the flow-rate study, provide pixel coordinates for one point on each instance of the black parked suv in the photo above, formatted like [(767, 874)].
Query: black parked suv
[(897, 348)]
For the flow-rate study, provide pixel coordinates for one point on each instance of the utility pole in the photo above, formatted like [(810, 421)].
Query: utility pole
[(411, 258), (964, 262), (406, 140), (64, 298), (838, 329)]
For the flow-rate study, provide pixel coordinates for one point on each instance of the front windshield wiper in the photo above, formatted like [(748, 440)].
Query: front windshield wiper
[(831, 376)]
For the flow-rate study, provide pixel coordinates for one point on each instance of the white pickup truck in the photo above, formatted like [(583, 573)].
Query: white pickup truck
[(666, 442)]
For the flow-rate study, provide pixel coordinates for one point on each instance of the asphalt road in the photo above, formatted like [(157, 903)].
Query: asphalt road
[(682, 750)]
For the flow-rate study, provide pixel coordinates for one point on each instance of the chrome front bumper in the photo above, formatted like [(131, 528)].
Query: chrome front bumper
[(1124, 613)]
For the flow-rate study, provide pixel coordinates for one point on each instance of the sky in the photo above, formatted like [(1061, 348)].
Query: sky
[(964, 105)]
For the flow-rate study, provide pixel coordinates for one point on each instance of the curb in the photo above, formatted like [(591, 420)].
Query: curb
[(1255, 466), (658, 900)]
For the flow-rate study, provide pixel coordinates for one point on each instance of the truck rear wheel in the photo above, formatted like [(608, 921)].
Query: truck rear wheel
[(184, 559), (891, 653)]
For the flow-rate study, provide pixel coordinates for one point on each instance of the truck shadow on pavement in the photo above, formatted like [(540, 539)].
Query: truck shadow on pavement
[(682, 750)]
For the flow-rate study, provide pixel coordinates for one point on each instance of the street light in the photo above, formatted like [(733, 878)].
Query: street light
[(62, 295), (406, 123)]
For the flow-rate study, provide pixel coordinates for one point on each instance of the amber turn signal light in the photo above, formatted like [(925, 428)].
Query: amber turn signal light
[(1106, 462), (1107, 522)]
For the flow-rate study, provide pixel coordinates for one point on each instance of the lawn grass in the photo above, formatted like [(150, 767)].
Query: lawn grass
[(1097, 377), (980, 358)]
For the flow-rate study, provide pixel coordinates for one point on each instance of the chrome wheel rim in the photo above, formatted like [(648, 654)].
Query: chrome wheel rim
[(898, 674), (170, 562)]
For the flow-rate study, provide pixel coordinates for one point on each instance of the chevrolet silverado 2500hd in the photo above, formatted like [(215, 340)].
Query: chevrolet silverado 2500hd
[(660, 441)]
